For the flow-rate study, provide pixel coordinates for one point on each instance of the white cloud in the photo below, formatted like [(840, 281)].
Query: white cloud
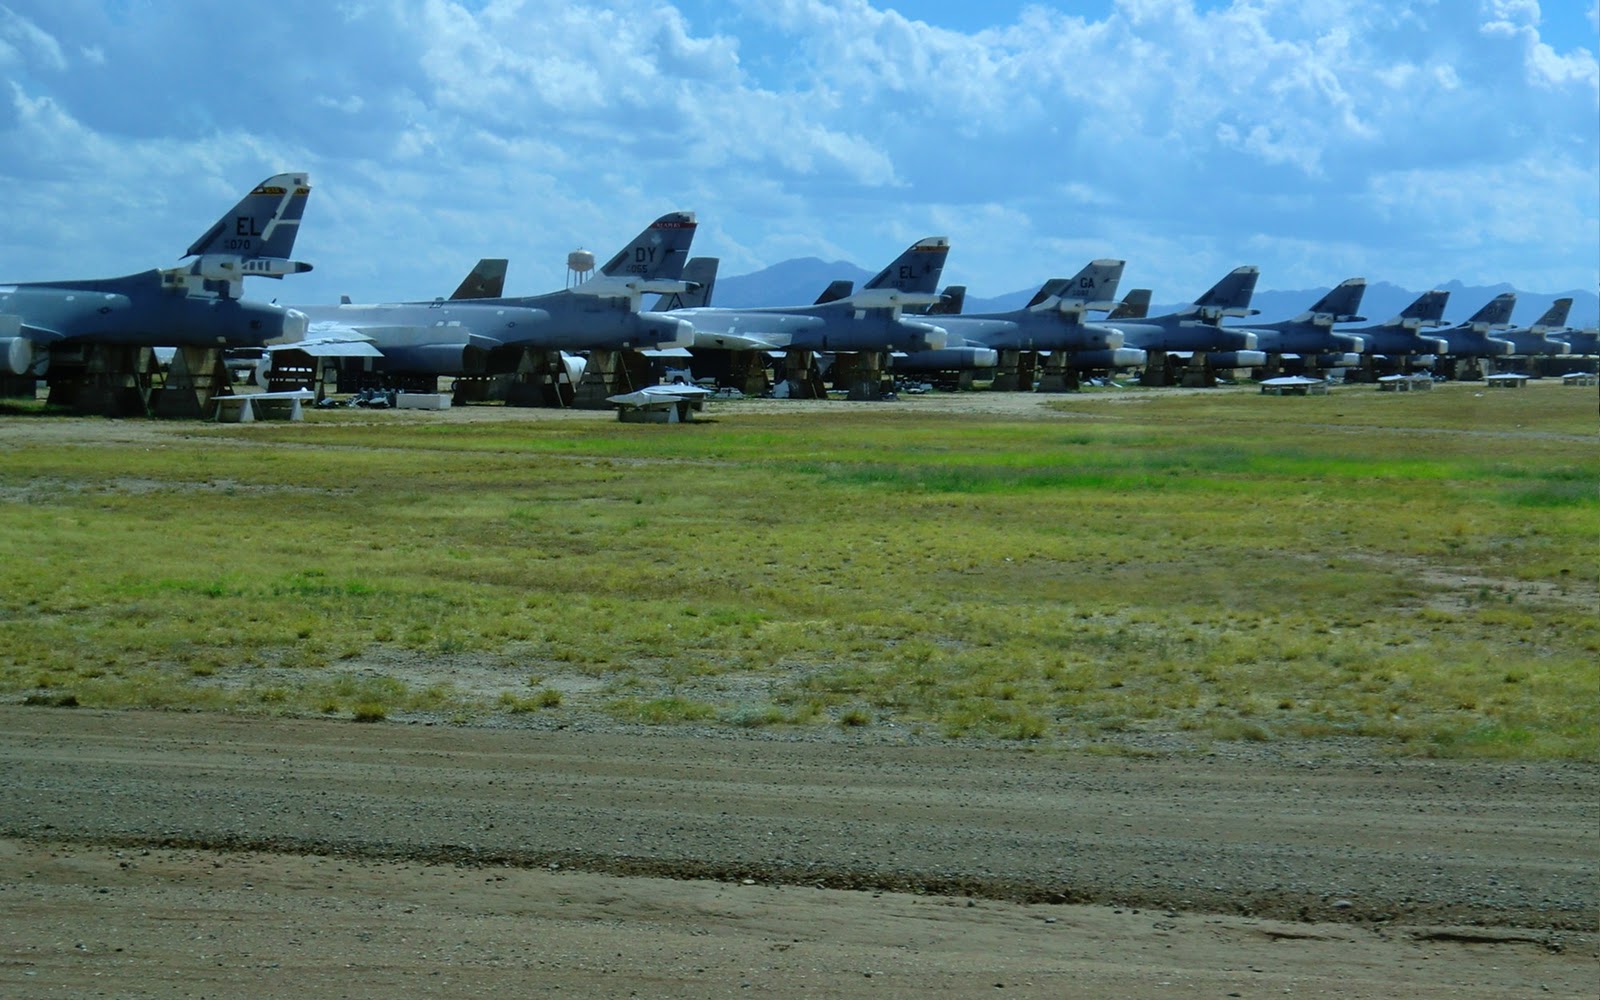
[(1180, 136), (22, 41)]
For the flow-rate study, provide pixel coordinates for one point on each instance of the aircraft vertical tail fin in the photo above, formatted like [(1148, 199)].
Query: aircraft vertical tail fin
[(254, 238), (1134, 305), (1554, 318), (1093, 288), (916, 271), (1051, 288), (1228, 297), (263, 224), (487, 280), (836, 290), (1427, 310), (1496, 313), (700, 278), (658, 253), (951, 301), (1341, 304)]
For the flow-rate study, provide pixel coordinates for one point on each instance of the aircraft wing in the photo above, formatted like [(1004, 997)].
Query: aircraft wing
[(743, 341)]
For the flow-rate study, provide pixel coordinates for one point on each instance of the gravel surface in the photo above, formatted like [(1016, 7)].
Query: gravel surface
[(1334, 844)]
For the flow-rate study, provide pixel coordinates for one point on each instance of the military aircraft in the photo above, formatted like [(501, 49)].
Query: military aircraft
[(1583, 343), (1472, 340), (870, 319), (1194, 329), (1400, 337), (464, 336), (1540, 339), (1052, 321), (196, 304), (486, 280), (1134, 305), (700, 280), (1311, 334)]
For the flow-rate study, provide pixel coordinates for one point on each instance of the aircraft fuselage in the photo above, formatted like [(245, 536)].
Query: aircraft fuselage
[(830, 327), (1174, 333), (452, 337), (138, 310)]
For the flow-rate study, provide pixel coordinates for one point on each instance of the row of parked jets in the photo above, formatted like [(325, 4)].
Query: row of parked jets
[(900, 314)]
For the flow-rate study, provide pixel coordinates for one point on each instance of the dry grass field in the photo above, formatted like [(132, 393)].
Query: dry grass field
[(1116, 568)]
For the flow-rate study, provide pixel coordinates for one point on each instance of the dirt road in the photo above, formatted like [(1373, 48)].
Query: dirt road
[(356, 858)]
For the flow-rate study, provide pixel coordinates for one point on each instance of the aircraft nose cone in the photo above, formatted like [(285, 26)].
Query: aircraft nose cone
[(294, 326)]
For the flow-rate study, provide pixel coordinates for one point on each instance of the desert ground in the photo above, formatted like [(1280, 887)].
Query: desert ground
[(197, 854), (172, 854)]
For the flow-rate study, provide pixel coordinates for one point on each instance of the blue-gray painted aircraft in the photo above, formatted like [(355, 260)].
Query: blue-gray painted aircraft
[(1472, 338), (1311, 335), (469, 336), (1195, 328), (197, 304), (1052, 321), (1546, 336), (1401, 337), (871, 319)]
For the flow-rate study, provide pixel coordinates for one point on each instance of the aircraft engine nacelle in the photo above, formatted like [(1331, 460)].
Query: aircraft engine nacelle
[(1237, 359), (949, 359), (434, 359), (1236, 340), (22, 356), (1111, 360), (914, 336), (1341, 360), (1095, 338), (662, 332)]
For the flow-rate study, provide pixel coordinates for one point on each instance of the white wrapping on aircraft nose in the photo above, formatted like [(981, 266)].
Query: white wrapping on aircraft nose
[(294, 326)]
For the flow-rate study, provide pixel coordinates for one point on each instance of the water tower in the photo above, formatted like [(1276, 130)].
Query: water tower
[(580, 263)]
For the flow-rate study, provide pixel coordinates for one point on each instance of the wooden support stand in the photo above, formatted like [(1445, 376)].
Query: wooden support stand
[(1015, 372)]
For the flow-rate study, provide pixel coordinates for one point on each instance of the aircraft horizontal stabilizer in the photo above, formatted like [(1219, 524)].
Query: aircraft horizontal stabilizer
[(890, 298), (229, 270)]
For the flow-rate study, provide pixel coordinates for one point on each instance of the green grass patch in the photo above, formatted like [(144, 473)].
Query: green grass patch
[(1419, 570)]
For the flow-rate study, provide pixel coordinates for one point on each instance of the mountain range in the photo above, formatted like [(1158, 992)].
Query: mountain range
[(799, 281)]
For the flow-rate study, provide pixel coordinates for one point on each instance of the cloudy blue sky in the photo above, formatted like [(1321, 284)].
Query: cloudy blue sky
[(1407, 142)]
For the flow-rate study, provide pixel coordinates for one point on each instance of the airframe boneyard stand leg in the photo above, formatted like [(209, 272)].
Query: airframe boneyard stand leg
[(860, 375), (610, 373), (18, 387), (195, 375), (1157, 369), (800, 371), (1198, 373), (747, 372), (1015, 371), (1059, 375), (541, 380), (104, 380)]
